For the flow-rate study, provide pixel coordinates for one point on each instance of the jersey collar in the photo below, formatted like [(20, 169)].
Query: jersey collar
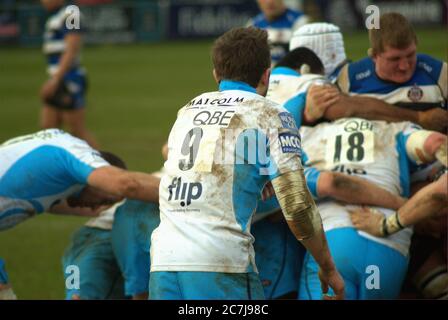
[(285, 71), (235, 85)]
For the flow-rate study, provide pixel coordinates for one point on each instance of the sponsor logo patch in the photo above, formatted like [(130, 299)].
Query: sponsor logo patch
[(287, 120), (290, 143)]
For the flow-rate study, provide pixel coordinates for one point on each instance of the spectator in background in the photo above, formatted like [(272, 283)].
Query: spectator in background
[(280, 22), (63, 94)]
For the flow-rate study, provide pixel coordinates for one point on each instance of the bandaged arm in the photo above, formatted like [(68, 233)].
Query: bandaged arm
[(425, 146), (302, 216)]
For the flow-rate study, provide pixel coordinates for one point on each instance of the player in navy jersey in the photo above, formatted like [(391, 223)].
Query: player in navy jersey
[(396, 74), (64, 93), (280, 22)]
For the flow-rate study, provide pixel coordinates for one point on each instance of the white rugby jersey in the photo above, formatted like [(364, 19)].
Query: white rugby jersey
[(216, 169), (41, 169), (372, 150), (288, 88), (428, 87), (105, 219)]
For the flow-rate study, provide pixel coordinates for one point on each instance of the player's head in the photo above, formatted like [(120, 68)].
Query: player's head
[(303, 60), (51, 4), (92, 197), (393, 47), (325, 39), (242, 54), (271, 8)]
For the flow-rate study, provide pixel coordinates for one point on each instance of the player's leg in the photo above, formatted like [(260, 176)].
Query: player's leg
[(278, 256), (384, 272), (345, 248), (74, 115), (6, 292), (75, 122), (220, 286), (50, 117), (131, 239), (91, 251)]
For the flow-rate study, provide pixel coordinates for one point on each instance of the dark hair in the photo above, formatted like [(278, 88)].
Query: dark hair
[(395, 31), (242, 54), (300, 56), (113, 159)]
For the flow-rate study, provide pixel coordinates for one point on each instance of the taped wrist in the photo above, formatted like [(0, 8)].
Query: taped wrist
[(415, 147), (391, 224), (441, 155), (297, 204)]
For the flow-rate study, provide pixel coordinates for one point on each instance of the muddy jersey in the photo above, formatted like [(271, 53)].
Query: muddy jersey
[(372, 150), (223, 148), (288, 88)]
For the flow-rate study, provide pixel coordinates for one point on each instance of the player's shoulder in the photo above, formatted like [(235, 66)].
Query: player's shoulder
[(429, 65), (259, 21), (361, 69), (292, 15)]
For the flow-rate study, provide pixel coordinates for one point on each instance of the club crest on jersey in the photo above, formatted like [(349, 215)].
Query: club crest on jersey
[(185, 192), (290, 143), (415, 93), (287, 120)]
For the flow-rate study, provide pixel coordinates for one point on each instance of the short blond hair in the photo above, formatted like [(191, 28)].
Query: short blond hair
[(395, 31)]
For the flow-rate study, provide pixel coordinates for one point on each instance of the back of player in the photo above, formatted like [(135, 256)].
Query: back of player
[(40, 169), (375, 151)]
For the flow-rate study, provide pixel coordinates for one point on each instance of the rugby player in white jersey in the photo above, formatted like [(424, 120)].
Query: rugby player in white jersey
[(357, 97), (203, 248), (381, 153), (52, 171), (278, 256)]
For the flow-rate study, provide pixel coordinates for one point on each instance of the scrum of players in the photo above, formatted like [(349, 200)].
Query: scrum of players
[(354, 205)]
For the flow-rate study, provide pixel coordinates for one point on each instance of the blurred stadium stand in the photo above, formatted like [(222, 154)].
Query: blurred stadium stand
[(126, 21)]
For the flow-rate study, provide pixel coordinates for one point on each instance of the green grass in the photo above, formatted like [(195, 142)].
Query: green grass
[(135, 93)]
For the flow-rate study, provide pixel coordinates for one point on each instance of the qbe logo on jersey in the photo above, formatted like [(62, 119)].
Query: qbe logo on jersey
[(185, 192), (290, 143)]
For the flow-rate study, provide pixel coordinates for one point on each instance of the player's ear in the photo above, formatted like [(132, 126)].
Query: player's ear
[(215, 75), (265, 77), (371, 53)]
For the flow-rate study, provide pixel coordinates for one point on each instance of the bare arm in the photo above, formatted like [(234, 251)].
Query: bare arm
[(355, 190), (73, 45), (126, 184), (426, 203), (64, 208), (304, 220), (375, 109)]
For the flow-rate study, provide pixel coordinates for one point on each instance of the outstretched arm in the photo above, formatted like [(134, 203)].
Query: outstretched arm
[(426, 203), (323, 102), (304, 220), (355, 190), (126, 184)]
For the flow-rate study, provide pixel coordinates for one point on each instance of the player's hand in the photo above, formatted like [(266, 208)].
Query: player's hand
[(332, 279), (49, 88), (318, 99), (434, 119), (268, 192), (368, 220)]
